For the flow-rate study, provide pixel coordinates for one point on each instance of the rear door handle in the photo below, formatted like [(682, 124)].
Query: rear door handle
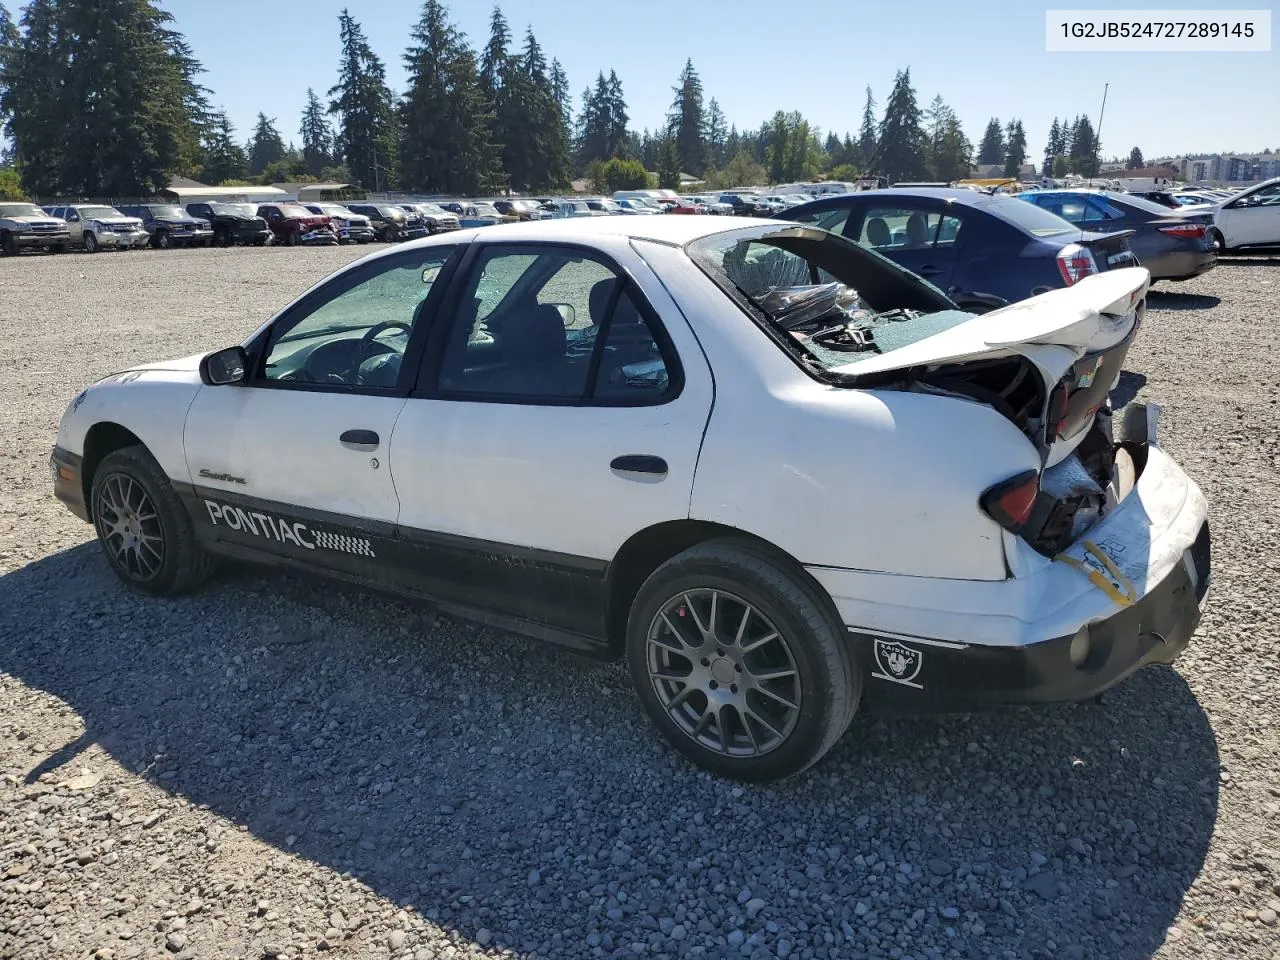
[(361, 439), (638, 466)]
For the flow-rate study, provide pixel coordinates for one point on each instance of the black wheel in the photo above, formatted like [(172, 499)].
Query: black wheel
[(741, 661), (292, 238), (91, 243), (8, 244), (1219, 241), (161, 240), (142, 526)]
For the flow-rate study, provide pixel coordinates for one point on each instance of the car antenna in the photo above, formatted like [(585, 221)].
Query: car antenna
[(1093, 161)]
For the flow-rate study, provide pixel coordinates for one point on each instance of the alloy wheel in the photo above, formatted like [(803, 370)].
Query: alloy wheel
[(129, 527), (723, 672)]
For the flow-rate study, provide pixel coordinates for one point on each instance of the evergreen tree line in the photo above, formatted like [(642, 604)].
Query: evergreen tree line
[(102, 97)]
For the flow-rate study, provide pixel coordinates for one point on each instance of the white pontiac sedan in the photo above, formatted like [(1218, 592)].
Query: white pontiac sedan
[(777, 473)]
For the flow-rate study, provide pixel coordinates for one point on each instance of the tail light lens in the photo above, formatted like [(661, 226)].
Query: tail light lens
[(1185, 231), (1075, 263), (1009, 503)]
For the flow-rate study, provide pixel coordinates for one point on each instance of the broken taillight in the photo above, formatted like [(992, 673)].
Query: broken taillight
[(1009, 503), (1075, 263)]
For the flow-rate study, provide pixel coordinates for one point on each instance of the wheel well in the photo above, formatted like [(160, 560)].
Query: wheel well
[(654, 546), (101, 440)]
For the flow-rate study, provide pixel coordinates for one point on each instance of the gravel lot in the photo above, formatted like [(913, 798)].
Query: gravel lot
[(278, 767)]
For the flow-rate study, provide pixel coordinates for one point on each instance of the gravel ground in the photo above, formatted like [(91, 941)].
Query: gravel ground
[(277, 767)]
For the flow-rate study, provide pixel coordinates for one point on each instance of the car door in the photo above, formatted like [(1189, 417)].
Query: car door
[(560, 411), (75, 226), (1253, 218), (294, 460)]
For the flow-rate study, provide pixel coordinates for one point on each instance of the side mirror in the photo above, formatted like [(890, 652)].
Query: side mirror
[(224, 366)]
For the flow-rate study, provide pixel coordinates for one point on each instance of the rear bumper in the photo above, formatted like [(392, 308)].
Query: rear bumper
[(928, 644), (1182, 264), (66, 469), (1155, 629)]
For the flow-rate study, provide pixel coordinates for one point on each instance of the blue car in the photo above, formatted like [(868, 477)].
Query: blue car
[(983, 250)]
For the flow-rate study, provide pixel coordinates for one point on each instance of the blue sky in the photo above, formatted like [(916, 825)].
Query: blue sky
[(758, 56)]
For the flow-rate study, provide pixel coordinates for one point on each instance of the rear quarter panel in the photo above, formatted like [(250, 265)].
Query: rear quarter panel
[(868, 480)]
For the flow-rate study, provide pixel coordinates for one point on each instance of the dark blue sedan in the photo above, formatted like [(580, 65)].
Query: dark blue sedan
[(983, 250)]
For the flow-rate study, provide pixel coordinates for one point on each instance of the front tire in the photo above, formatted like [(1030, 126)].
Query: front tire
[(145, 533), (741, 662), (91, 243), (8, 244), (161, 240)]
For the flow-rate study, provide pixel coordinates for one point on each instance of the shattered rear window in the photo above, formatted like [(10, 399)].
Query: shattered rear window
[(822, 294)]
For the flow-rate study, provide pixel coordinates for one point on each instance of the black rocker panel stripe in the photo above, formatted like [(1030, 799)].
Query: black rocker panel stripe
[(561, 591)]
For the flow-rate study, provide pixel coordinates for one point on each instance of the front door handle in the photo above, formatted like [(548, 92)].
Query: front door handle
[(360, 439), (638, 466), (929, 270)]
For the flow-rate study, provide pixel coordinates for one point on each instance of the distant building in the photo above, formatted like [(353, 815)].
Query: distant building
[(991, 171), (182, 190)]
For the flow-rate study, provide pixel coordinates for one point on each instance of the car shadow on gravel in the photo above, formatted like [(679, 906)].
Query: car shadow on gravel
[(1127, 388), (1177, 300), (513, 792)]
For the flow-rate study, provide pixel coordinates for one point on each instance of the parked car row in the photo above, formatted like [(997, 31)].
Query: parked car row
[(94, 227)]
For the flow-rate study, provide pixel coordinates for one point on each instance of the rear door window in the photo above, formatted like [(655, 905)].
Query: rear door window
[(893, 229)]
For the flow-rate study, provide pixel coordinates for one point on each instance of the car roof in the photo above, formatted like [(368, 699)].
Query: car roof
[(676, 230)]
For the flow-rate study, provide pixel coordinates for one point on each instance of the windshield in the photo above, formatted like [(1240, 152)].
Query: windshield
[(235, 209), (391, 213), (486, 210), (430, 208), (1033, 219), (293, 210), (21, 210), (165, 210), (823, 297), (97, 213)]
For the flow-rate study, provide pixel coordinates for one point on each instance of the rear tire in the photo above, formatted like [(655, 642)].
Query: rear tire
[(1219, 242), (752, 623), (145, 532)]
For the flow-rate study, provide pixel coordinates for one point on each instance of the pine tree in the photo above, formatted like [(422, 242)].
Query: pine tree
[(101, 98), (542, 136), (1084, 148), (715, 133), (317, 136), (992, 148), (447, 145), (1052, 147), (366, 138), (265, 146), (1015, 148), (500, 84), (948, 149), (560, 90), (1135, 160), (592, 134), (617, 129), (686, 121), (901, 141), (9, 37), (223, 158), (668, 164), (867, 134)]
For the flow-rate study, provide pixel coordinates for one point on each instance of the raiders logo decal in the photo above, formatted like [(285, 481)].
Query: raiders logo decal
[(898, 663)]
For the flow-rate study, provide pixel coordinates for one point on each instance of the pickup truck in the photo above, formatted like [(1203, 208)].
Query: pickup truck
[(96, 227), (233, 223), (293, 224), (26, 225), (169, 225)]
